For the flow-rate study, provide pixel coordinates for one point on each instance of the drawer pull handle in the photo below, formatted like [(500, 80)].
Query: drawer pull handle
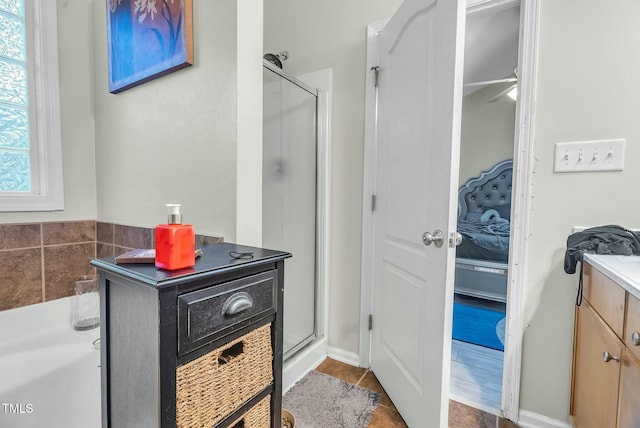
[(237, 303), (230, 353), (606, 357), (635, 338)]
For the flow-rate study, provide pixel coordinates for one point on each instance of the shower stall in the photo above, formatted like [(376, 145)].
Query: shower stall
[(290, 197)]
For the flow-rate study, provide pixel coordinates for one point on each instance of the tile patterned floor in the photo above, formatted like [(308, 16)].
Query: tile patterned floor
[(476, 375), (386, 415)]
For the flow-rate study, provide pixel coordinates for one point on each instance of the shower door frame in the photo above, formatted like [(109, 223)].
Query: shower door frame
[(322, 127)]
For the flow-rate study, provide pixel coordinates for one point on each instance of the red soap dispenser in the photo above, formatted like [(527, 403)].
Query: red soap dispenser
[(175, 242)]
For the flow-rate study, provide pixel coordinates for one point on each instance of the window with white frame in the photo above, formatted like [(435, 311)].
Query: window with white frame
[(30, 146)]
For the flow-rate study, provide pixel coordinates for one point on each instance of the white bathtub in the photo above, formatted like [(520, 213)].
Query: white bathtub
[(49, 373)]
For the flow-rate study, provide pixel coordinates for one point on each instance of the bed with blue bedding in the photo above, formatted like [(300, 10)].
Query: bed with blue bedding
[(484, 221)]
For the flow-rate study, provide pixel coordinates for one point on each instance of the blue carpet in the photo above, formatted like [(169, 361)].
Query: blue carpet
[(476, 325)]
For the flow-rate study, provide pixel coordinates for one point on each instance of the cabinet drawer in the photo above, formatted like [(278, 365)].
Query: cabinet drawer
[(259, 416), (632, 325), (214, 385), (605, 296), (215, 311)]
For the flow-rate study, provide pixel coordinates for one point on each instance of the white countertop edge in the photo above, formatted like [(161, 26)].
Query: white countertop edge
[(627, 275)]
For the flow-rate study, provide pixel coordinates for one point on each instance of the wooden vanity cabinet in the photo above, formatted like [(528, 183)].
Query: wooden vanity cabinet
[(195, 347), (606, 374)]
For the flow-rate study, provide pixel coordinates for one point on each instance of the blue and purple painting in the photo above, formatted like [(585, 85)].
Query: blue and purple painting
[(147, 39)]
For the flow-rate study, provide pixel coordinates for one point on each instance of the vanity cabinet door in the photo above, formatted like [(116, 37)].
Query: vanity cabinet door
[(595, 394), (632, 325), (629, 410)]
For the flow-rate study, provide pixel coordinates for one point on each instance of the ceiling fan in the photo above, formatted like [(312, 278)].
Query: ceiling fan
[(511, 91)]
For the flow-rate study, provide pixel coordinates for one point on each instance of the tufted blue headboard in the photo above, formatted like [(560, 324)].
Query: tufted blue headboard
[(490, 190)]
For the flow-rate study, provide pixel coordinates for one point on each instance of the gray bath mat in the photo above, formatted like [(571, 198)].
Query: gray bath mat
[(322, 401)]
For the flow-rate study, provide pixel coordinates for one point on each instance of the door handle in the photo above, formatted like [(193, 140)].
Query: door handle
[(455, 239), (437, 238)]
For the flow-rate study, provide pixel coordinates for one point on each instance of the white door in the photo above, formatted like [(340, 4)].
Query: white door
[(420, 98)]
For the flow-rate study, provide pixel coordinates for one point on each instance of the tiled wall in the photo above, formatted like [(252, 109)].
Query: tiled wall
[(114, 239), (40, 261)]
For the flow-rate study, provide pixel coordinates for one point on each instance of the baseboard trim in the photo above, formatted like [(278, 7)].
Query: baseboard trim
[(528, 419), (302, 363), (343, 356)]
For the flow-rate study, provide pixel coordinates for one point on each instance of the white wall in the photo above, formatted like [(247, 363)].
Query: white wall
[(487, 131), (588, 89), (331, 34), (249, 136), (143, 133), (76, 113), (172, 139)]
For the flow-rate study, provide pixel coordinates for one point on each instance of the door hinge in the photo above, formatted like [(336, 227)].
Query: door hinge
[(373, 202), (370, 322), (376, 71)]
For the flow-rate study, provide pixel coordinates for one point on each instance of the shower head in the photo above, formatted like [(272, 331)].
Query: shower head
[(276, 59)]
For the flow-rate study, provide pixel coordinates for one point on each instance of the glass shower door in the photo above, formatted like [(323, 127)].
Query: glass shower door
[(289, 198)]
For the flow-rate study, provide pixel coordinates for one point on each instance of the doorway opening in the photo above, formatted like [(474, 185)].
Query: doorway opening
[(484, 207), (522, 155)]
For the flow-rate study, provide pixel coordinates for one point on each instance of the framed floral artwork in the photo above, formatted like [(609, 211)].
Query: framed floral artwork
[(147, 39)]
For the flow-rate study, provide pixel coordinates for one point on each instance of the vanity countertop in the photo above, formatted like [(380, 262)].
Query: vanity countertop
[(624, 270)]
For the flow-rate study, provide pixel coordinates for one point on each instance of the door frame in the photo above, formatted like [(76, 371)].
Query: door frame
[(523, 167)]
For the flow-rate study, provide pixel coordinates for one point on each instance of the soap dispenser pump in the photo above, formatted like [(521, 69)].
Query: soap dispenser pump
[(175, 242)]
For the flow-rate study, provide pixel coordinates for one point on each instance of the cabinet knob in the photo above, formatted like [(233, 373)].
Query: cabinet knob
[(635, 338), (606, 357)]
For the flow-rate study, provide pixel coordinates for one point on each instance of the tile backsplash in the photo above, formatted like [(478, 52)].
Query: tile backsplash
[(40, 261)]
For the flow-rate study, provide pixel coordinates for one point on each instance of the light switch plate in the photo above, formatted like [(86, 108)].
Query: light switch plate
[(597, 155)]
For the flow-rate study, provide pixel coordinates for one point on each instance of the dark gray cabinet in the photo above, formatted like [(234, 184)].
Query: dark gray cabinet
[(195, 347)]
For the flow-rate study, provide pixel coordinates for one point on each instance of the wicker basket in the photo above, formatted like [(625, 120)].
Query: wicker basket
[(259, 416), (214, 385)]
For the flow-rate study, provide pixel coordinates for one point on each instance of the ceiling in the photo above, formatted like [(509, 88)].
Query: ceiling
[(491, 46)]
